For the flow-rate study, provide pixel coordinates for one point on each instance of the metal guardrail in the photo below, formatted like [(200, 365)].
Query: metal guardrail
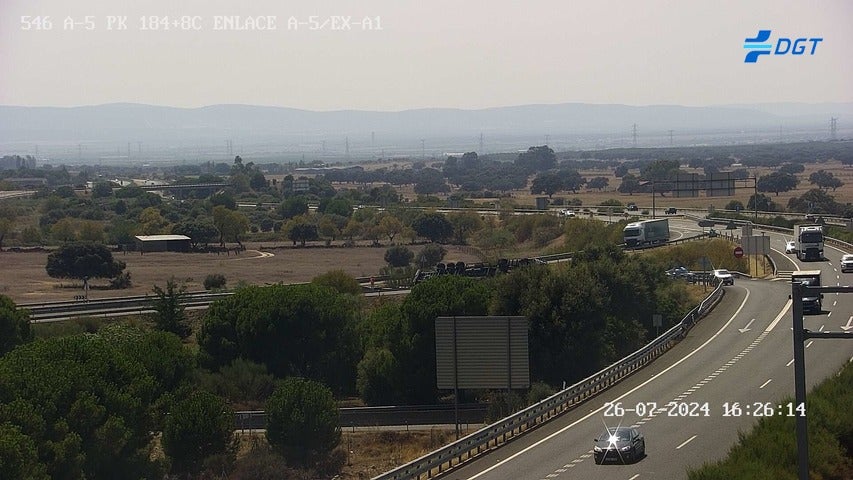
[(353, 417), (133, 304), (772, 228), (518, 423)]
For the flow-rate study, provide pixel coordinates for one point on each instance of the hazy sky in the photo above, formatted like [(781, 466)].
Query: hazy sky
[(437, 53)]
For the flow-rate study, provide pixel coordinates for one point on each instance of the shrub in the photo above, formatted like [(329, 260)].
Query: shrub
[(121, 282), (244, 382), (214, 281), (539, 391), (196, 428), (339, 280), (430, 255), (399, 256), (302, 420)]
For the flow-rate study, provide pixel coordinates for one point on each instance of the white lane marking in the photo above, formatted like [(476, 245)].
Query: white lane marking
[(635, 476), (821, 328), (765, 384), (809, 344), (746, 328), (685, 442), (848, 326), (828, 314), (779, 317), (834, 303), (789, 363), (601, 408)]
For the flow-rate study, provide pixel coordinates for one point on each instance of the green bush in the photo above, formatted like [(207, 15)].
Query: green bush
[(302, 420), (197, 427), (340, 281), (243, 382), (378, 374), (14, 325), (769, 450), (430, 255), (399, 256), (214, 281), (121, 281)]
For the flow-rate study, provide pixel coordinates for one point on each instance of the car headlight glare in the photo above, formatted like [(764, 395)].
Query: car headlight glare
[(625, 448), (596, 448)]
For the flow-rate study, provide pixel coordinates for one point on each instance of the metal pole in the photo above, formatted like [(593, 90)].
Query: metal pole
[(455, 381), (755, 198), (508, 356), (800, 381), (653, 199)]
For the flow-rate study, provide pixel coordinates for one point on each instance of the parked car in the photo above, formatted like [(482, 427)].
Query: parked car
[(619, 444), (723, 276), (568, 213), (790, 247), (670, 211), (632, 207), (847, 263)]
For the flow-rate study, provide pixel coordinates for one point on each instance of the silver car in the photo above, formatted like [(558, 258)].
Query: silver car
[(723, 276), (847, 263)]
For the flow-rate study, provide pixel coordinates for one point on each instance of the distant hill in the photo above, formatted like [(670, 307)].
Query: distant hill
[(122, 121)]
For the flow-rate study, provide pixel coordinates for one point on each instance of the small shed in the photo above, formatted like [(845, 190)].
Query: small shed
[(162, 243)]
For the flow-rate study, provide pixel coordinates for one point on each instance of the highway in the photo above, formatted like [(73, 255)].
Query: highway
[(5, 195), (741, 352)]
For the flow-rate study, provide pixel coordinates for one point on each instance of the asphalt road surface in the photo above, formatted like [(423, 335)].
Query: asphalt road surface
[(742, 352)]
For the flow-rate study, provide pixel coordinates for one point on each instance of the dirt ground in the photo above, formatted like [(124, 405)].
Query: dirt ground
[(23, 276)]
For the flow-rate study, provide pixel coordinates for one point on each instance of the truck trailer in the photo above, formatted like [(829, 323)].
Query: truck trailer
[(647, 232), (812, 303), (809, 242)]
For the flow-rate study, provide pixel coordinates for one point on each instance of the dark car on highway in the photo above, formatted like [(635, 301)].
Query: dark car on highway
[(619, 444), (678, 272), (671, 211)]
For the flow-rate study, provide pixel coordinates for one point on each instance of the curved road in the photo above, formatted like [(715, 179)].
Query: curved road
[(741, 352)]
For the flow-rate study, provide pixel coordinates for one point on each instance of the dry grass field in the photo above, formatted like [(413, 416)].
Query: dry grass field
[(23, 276)]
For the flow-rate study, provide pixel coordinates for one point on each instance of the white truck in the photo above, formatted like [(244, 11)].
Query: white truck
[(647, 232), (809, 242)]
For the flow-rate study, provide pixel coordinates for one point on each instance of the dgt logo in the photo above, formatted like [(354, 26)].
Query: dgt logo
[(760, 46)]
